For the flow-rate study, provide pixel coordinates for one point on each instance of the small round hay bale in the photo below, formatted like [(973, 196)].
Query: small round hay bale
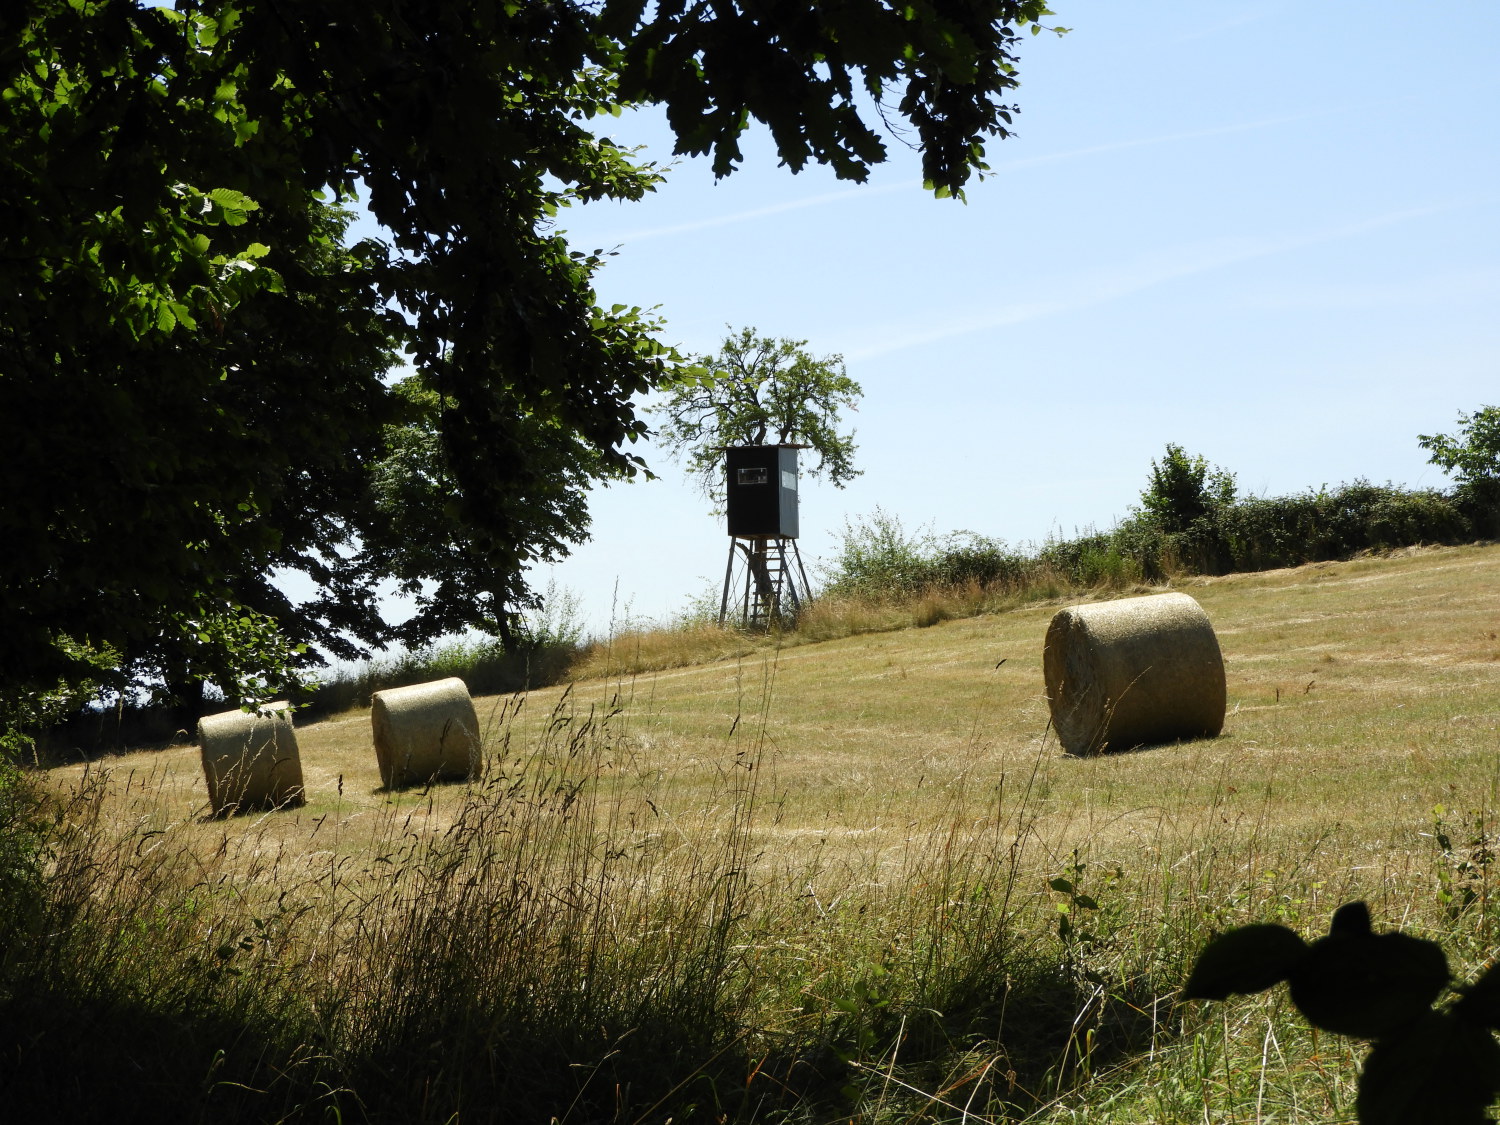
[(425, 732), (251, 760), (1134, 671)]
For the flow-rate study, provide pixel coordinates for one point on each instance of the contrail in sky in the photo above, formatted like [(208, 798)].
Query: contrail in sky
[(1100, 286), (757, 213), (1023, 162)]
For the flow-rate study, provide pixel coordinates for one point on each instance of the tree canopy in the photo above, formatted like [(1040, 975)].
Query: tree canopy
[(1472, 455), (1185, 489), (193, 391), (758, 390)]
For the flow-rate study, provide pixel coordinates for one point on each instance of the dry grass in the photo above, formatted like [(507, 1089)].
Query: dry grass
[(635, 652), (1361, 696), (870, 771)]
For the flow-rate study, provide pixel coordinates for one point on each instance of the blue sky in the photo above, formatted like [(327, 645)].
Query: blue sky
[(1265, 231)]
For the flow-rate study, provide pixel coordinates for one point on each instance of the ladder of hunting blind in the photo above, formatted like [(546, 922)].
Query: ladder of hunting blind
[(773, 573)]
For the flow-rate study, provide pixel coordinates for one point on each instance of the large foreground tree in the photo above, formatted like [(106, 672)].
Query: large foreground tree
[(191, 362)]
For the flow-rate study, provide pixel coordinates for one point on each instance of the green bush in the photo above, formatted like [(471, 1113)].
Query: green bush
[(1479, 503), (484, 664), (1186, 501), (21, 857), (1072, 559), (1333, 524), (879, 558), (967, 558), (1191, 520), (1185, 491)]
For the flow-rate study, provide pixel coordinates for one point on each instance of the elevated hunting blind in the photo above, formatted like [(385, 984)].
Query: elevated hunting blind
[(760, 502), (761, 491)]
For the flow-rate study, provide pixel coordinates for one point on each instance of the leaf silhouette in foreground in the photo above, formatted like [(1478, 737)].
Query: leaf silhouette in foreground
[(1437, 1067)]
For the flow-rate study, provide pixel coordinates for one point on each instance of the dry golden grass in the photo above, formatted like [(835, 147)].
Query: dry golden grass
[(1362, 695), (885, 808)]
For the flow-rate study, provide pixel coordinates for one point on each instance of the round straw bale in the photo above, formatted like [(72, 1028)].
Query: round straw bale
[(425, 732), (251, 760), (1133, 671)]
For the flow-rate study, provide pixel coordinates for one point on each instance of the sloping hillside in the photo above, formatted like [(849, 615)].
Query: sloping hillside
[(848, 881), (1361, 695)]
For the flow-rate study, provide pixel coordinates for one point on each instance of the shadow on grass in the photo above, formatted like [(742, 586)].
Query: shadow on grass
[(1003, 1046), (106, 1058)]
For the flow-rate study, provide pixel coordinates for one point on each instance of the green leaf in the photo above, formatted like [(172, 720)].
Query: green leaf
[(232, 200), (1249, 959), (184, 315), (234, 206)]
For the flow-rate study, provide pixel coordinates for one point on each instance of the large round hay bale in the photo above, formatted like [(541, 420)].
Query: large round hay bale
[(250, 760), (425, 732), (1134, 671)]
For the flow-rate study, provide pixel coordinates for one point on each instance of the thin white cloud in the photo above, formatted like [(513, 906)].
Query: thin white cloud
[(1096, 287), (867, 191), (1254, 15), (1167, 138), (758, 212), (1447, 289)]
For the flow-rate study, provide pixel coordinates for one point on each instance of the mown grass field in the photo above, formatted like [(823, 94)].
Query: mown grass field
[(855, 880)]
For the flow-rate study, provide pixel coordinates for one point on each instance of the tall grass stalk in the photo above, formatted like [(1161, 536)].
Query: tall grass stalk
[(566, 941)]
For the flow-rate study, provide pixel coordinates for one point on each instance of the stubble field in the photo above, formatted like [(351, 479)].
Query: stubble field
[(861, 876)]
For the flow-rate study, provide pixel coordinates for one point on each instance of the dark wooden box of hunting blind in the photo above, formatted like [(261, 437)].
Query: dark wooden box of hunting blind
[(761, 491)]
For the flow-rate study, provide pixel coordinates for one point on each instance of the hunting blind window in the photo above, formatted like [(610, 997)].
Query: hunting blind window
[(753, 476)]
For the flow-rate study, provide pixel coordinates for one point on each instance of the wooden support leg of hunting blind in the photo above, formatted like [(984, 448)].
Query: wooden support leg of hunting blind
[(774, 585)]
